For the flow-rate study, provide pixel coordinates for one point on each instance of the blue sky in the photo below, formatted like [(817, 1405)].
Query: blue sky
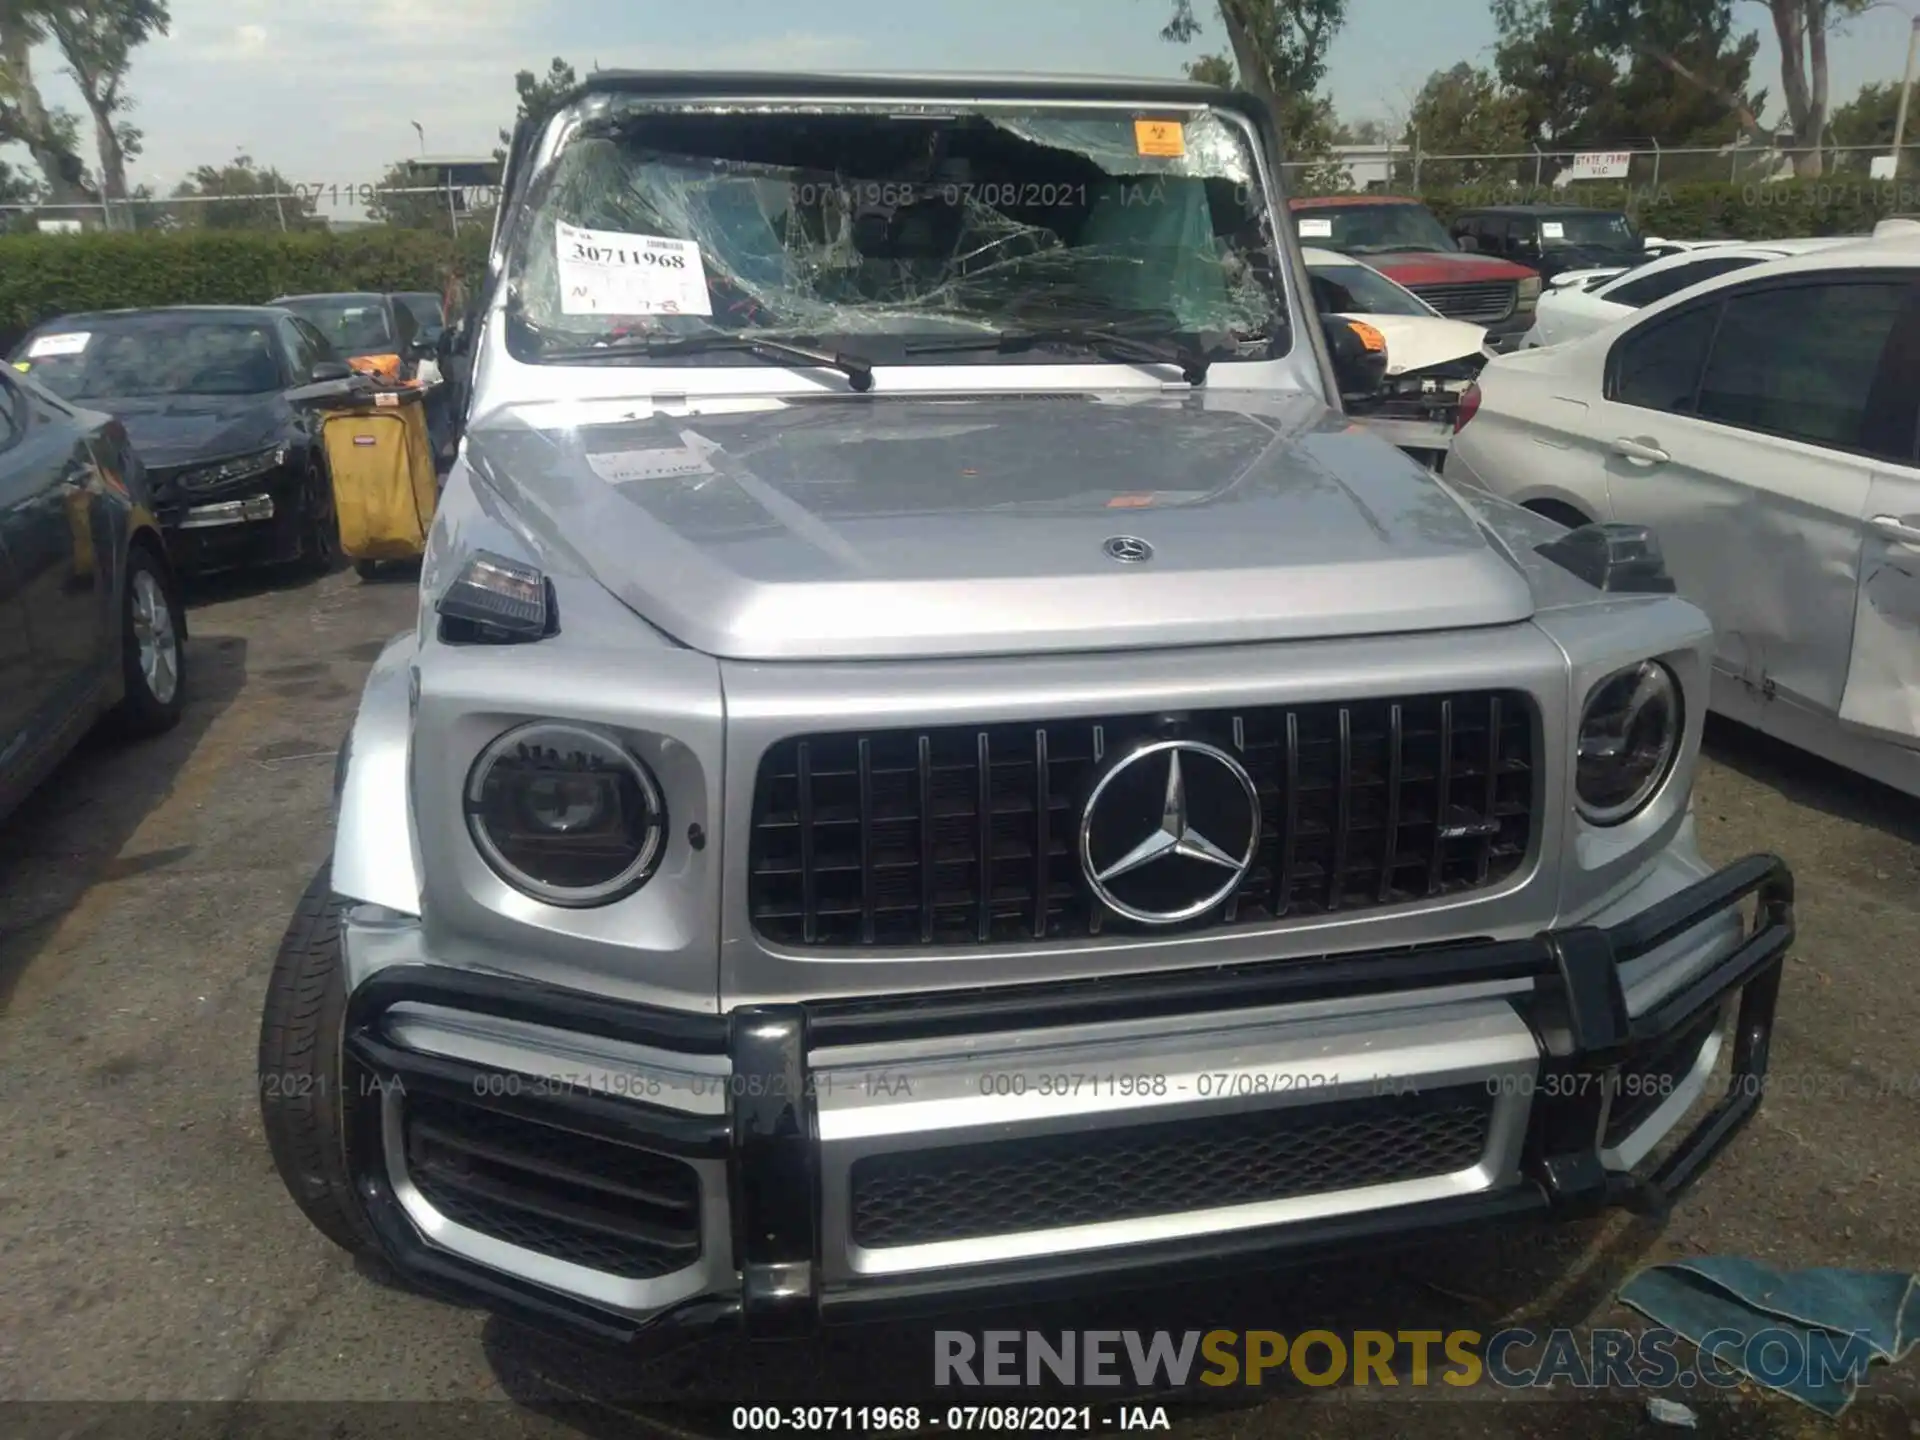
[(326, 92)]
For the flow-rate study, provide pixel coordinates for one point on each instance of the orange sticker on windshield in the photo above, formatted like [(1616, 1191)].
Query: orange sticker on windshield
[(1160, 137)]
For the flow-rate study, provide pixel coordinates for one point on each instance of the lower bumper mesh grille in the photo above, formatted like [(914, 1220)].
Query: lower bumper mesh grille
[(568, 1196), (1046, 1182)]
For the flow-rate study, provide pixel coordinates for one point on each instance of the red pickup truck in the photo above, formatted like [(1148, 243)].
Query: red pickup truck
[(1403, 241)]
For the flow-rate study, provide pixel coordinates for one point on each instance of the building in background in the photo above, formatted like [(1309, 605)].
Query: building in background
[(469, 182)]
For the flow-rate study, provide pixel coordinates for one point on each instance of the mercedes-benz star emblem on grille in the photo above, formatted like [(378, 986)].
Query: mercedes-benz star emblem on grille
[(1128, 549), (1169, 831)]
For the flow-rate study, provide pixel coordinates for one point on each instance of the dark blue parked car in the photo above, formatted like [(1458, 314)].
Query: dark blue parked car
[(91, 622)]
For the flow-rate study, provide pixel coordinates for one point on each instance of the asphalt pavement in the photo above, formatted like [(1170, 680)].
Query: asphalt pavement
[(154, 1277)]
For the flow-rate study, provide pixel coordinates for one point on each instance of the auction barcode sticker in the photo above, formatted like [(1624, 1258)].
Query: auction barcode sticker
[(604, 272), (70, 342)]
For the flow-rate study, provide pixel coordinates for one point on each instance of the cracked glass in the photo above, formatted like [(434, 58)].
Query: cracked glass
[(881, 228)]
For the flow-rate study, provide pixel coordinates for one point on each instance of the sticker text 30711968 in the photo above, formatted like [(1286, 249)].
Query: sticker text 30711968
[(605, 272)]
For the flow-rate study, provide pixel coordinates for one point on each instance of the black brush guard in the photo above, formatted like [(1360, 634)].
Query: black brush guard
[(1577, 1009)]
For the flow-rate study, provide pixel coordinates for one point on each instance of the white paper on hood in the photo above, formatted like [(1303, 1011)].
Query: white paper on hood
[(604, 272), (1553, 230), (68, 342), (619, 467), (1316, 228)]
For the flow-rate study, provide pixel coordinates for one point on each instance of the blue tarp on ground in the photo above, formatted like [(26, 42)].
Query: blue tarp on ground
[(1809, 1334)]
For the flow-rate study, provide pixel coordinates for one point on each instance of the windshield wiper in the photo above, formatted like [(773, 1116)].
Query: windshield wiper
[(1106, 341), (859, 371)]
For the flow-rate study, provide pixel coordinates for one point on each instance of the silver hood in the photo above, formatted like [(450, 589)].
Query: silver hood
[(857, 527)]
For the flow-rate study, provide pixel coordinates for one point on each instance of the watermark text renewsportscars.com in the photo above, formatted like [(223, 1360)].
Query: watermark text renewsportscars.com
[(1511, 1359)]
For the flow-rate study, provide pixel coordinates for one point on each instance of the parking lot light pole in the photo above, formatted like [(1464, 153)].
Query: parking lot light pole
[(1906, 93)]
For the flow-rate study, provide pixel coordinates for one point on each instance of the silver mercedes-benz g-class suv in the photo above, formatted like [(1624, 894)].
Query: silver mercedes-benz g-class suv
[(937, 763)]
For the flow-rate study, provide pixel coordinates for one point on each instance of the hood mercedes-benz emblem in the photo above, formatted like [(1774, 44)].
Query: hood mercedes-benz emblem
[(1169, 831), (1128, 549)]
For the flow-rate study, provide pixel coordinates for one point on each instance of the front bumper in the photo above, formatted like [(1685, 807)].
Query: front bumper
[(250, 522), (772, 1115)]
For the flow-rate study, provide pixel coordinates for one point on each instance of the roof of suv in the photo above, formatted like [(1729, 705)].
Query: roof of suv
[(211, 312), (1541, 210), (368, 296), (1314, 202), (944, 85)]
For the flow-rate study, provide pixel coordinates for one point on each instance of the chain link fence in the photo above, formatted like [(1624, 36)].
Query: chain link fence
[(1545, 173), (448, 209), (1475, 178)]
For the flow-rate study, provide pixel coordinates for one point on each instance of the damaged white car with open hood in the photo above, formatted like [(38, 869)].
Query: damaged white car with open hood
[(937, 764), (1429, 360)]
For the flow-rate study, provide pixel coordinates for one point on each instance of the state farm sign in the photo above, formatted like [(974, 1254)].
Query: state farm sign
[(1598, 165)]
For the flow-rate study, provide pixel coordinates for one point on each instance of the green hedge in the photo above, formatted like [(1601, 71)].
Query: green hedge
[(43, 276), (1758, 210)]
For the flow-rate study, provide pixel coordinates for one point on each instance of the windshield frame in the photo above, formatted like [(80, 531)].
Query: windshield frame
[(536, 151), (102, 325)]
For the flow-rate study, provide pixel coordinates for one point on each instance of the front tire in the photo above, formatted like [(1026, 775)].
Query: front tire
[(320, 535), (153, 658), (302, 1099)]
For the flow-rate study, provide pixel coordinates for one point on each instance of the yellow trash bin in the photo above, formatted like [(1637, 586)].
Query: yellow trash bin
[(384, 487)]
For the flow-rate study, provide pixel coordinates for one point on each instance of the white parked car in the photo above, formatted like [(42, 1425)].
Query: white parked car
[(1430, 359), (1571, 310), (1764, 427), (1419, 338), (1658, 246)]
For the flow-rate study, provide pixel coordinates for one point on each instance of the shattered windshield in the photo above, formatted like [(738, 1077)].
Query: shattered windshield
[(884, 228)]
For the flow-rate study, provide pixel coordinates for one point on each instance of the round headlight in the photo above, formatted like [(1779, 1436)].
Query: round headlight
[(1629, 734), (566, 814)]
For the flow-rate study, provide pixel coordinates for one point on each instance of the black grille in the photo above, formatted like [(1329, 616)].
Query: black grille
[(968, 836), (1483, 302), (573, 1197), (1049, 1181), (1647, 1080)]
